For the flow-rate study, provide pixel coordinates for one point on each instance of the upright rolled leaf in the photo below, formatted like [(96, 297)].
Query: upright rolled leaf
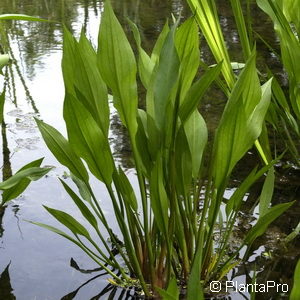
[(118, 67)]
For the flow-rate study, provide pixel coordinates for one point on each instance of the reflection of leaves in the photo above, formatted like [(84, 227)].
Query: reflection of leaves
[(5, 286), (74, 265), (109, 291), (73, 294)]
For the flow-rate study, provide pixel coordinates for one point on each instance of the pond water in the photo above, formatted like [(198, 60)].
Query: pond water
[(35, 263)]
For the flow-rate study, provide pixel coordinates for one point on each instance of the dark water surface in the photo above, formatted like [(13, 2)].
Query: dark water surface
[(35, 263)]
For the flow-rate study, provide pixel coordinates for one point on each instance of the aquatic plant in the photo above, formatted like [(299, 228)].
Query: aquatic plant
[(207, 17), (286, 110), (167, 225)]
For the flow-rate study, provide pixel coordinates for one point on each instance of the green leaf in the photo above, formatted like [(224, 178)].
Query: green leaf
[(194, 286), (145, 64), (4, 60), (183, 161), (62, 150), (124, 186), (21, 17), (82, 188), (90, 83), (267, 193), (159, 198), (235, 200), (87, 139), (206, 15), (197, 135), (68, 221), (262, 224), (241, 122), (295, 293), (82, 207), (118, 67), (172, 292), (32, 174), (196, 92), (57, 231), (142, 143), (19, 188), (187, 45), (68, 63), (159, 43), (163, 81)]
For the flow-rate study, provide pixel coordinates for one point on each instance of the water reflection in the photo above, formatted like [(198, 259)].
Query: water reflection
[(5, 285)]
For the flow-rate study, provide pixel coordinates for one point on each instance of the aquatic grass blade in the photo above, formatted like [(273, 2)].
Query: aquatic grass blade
[(207, 18)]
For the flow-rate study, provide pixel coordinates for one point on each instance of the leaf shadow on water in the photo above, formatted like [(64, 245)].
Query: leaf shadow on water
[(5, 285), (110, 291)]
